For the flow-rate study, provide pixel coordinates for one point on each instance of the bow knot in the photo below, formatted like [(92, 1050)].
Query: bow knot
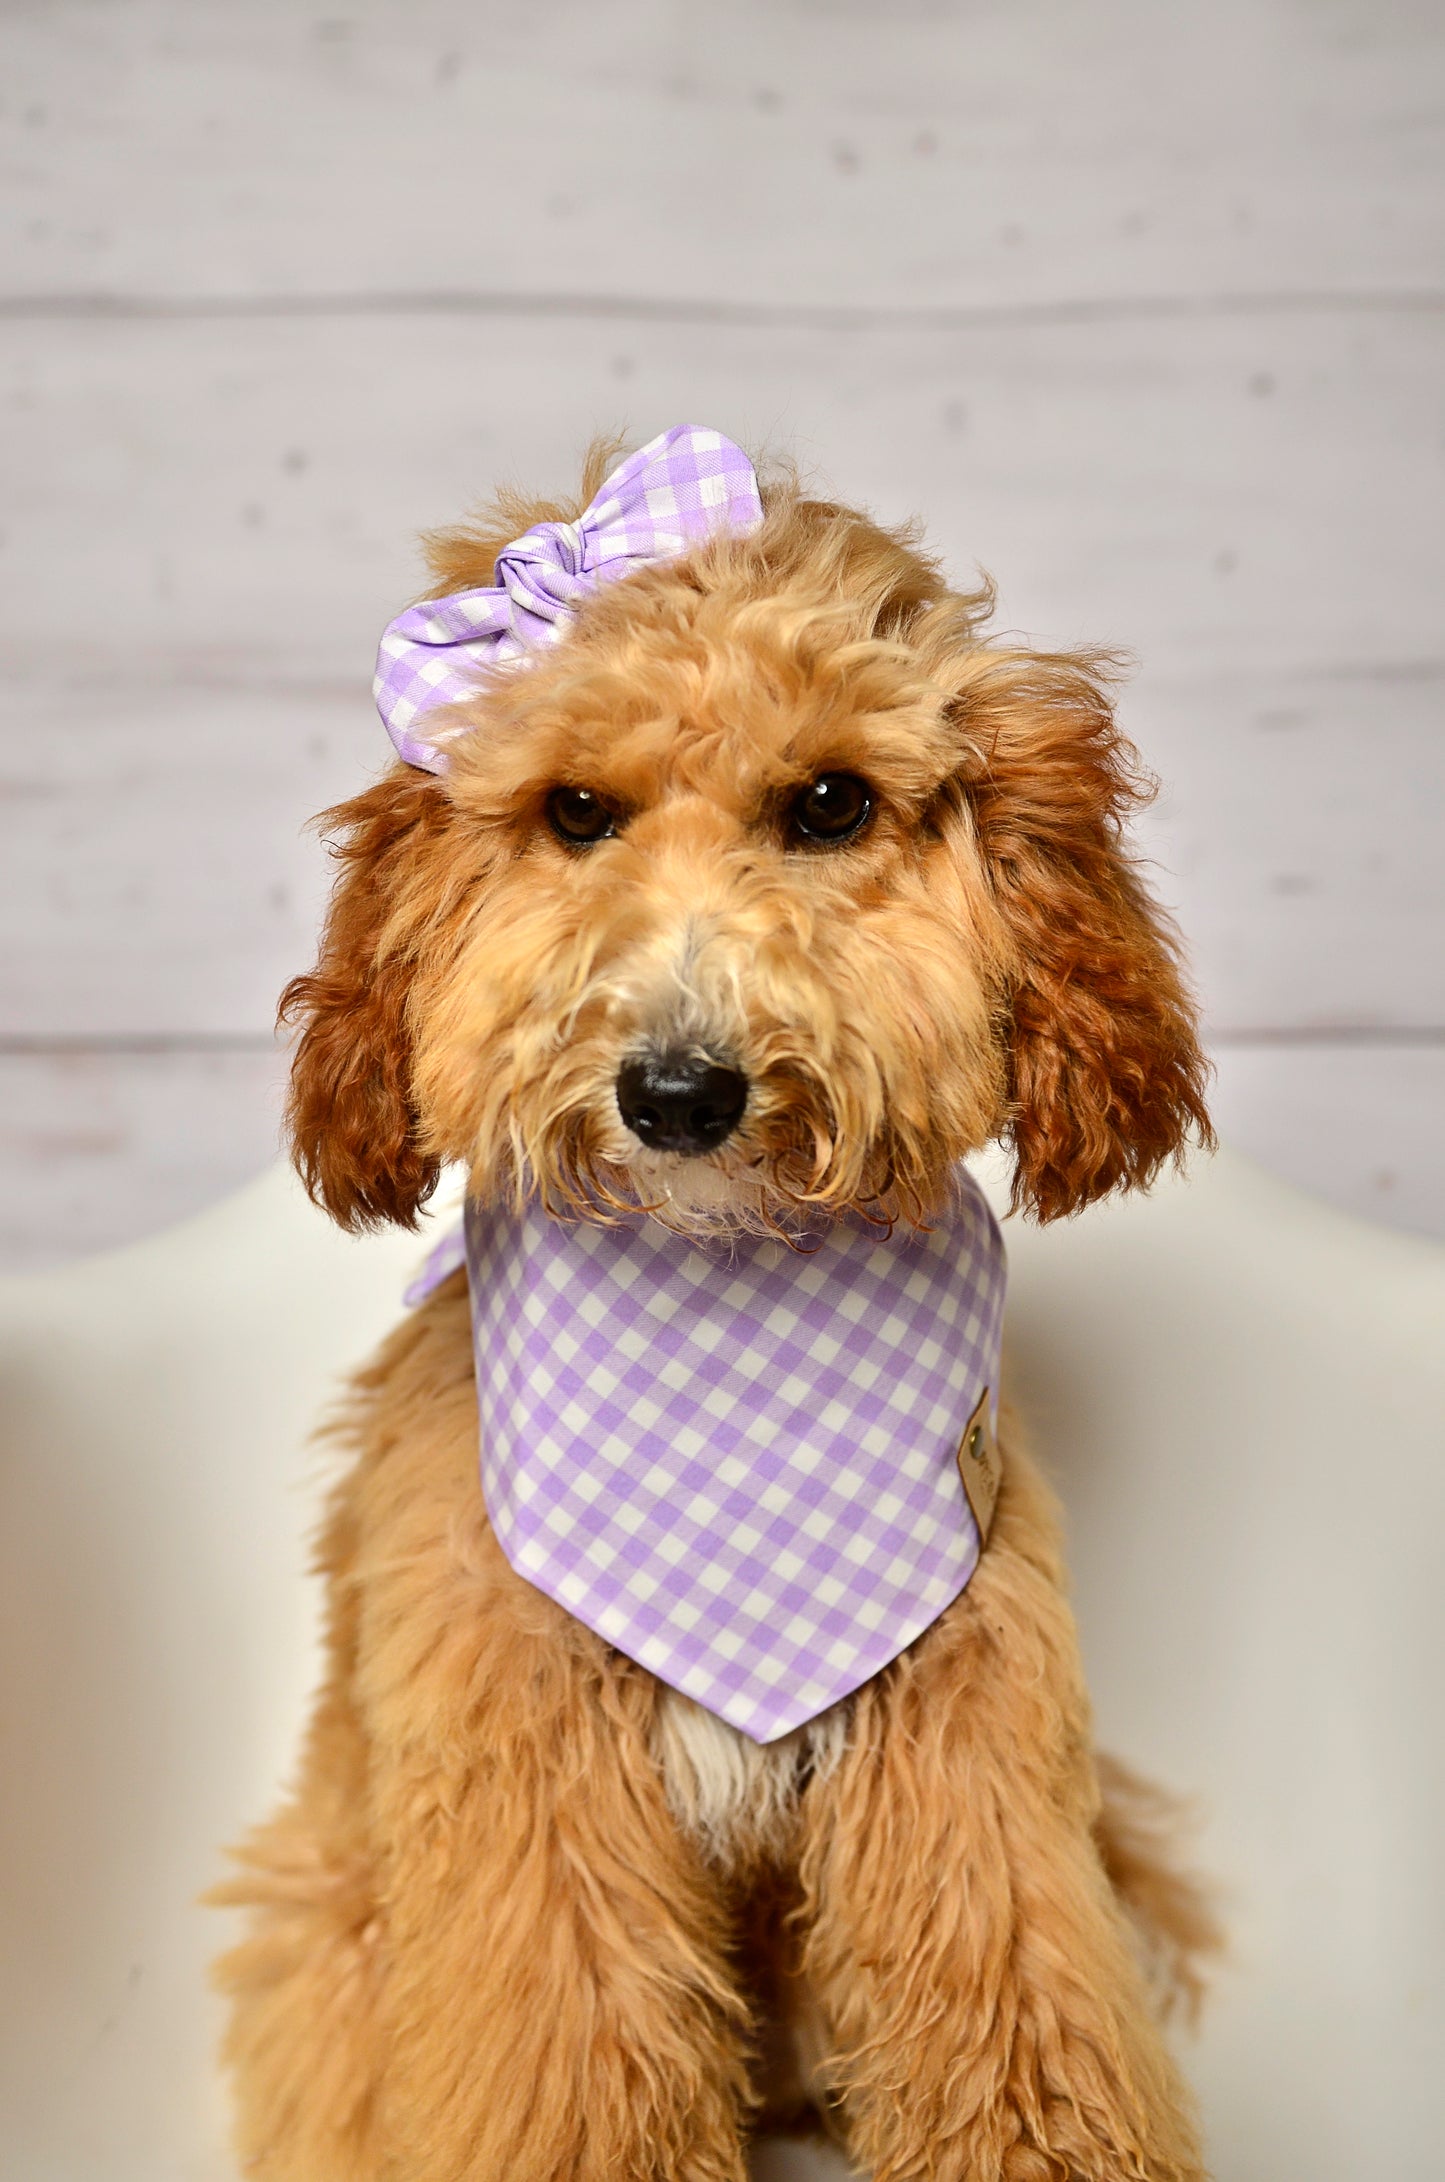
[(682, 487)]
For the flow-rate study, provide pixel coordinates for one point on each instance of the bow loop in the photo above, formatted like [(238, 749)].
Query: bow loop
[(682, 487)]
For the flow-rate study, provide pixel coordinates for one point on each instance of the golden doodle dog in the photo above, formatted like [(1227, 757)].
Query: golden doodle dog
[(732, 888)]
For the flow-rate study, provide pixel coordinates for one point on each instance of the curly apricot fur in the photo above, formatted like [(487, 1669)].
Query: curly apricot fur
[(487, 1940)]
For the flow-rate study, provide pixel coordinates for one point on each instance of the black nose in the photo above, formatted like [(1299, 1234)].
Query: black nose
[(678, 1103)]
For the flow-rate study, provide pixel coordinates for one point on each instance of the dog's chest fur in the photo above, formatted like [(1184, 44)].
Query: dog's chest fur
[(734, 1795)]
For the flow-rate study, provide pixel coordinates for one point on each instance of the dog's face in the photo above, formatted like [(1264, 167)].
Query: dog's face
[(770, 892)]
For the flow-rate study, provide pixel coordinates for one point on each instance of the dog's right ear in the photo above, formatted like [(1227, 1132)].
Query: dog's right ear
[(349, 1117)]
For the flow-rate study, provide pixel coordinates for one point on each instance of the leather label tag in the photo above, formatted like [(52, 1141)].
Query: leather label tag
[(980, 1465)]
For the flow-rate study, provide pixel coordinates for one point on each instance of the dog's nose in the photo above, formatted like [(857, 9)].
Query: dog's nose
[(677, 1102)]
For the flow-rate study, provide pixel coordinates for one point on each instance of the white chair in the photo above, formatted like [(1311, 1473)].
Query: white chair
[(1242, 1395)]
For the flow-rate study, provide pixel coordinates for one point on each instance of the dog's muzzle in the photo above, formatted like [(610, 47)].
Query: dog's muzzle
[(680, 1102)]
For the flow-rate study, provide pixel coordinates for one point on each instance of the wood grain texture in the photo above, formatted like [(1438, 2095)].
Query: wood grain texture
[(1140, 308), (795, 152), (100, 1147), (1356, 1123)]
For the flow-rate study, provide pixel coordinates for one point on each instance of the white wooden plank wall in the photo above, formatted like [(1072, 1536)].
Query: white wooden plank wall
[(1142, 307)]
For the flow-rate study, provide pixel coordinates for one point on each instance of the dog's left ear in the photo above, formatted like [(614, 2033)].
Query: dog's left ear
[(1107, 1078)]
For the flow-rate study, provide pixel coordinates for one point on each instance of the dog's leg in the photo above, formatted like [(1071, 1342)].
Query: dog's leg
[(559, 2002), (987, 2015), (482, 1950)]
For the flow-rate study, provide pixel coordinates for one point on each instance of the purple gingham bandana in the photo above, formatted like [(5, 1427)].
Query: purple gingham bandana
[(677, 490), (739, 1464)]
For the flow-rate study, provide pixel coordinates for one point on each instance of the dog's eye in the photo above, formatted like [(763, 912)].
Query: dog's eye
[(577, 817), (832, 808)]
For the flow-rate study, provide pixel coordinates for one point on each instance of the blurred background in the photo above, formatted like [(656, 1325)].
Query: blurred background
[(1141, 307)]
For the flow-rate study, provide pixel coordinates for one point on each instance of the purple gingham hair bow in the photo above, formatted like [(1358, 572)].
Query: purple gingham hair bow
[(678, 489)]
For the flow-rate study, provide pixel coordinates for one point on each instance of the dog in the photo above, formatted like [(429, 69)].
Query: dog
[(759, 894)]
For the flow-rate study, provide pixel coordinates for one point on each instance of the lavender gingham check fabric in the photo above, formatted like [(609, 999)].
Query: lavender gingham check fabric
[(738, 1464), (677, 490)]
